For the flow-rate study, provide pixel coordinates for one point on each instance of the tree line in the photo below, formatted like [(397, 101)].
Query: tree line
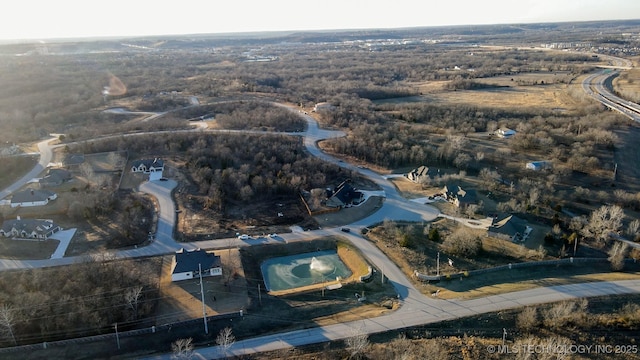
[(55, 303)]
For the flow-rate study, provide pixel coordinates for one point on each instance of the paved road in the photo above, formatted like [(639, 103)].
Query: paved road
[(416, 308), (45, 158)]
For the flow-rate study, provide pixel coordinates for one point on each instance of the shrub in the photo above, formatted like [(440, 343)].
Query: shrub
[(462, 242)]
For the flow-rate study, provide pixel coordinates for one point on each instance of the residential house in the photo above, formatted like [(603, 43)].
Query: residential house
[(418, 175), (538, 165), (55, 177), (505, 132), (29, 228), (193, 263), (32, 197), (509, 227), (323, 106), (455, 194), (344, 195), (153, 167)]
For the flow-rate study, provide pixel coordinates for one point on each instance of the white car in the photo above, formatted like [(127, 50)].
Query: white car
[(244, 237), (273, 235)]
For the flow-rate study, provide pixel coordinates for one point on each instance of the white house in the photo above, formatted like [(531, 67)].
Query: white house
[(505, 132), (29, 228), (323, 106), (153, 167), (187, 264), (538, 165), (32, 197)]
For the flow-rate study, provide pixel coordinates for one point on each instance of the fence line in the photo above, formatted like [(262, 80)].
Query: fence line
[(566, 261), (112, 336)]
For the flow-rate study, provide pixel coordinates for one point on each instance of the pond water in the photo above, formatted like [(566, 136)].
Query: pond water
[(289, 272)]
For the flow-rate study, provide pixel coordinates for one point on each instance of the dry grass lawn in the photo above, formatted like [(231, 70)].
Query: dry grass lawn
[(181, 300)]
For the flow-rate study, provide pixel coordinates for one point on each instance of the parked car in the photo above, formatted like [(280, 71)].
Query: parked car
[(244, 237), (345, 229)]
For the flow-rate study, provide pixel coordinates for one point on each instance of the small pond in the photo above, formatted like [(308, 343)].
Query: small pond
[(289, 272)]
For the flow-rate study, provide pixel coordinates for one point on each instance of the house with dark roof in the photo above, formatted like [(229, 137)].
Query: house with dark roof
[(29, 228), (193, 263), (343, 195), (32, 197), (55, 177), (458, 196), (153, 167), (509, 227)]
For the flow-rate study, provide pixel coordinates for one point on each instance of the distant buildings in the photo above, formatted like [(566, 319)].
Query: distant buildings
[(539, 165), (505, 133)]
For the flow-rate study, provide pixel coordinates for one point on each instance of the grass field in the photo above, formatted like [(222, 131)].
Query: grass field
[(531, 90), (523, 279)]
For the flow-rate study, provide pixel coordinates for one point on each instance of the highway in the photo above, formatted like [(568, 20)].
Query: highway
[(595, 85)]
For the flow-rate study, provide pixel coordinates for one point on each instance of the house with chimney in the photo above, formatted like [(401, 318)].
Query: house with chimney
[(40, 229), (32, 197), (188, 264)]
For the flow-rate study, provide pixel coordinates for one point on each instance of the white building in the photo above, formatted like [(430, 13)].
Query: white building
[(505, 133), (153, 167)]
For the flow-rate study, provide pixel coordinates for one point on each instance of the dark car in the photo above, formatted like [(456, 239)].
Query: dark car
[(345, 229)]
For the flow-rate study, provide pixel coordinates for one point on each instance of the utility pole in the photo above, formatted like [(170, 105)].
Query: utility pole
[(204, 307), (117, 336), (438, 265), (259, 295)]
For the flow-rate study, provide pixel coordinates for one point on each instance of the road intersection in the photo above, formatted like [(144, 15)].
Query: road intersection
[(416, 308)]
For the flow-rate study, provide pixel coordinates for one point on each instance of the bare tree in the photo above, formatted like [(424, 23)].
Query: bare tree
[(603, 221), (633, 229), (132, 299), (462, 242), (7, 321), (617, 254), (357, 343), (528, 319), (225, 339), (182, 349)]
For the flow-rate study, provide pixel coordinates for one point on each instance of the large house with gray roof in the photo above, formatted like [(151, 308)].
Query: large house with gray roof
[(32, 197), (192, 263), (29, 228), (509, 227)]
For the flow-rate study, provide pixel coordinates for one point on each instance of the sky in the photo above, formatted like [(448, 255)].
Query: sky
[(45, 19)]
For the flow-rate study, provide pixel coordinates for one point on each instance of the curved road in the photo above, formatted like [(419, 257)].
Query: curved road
[(416, 308)]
